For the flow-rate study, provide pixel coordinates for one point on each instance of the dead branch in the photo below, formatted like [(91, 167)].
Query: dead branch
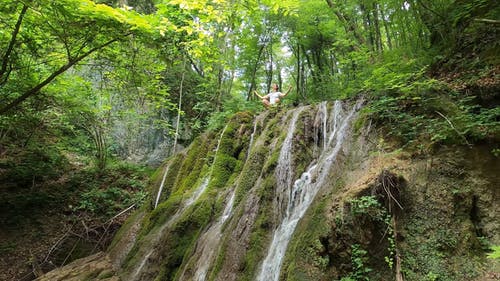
[(488, 21)]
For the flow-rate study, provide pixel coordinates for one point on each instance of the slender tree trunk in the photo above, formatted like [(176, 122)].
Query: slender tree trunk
[(386, 28), (4, 71), (278, 76), (378, 34), (299, 64), (254, 73), (310, 65), (270, 69), (179, 106), (368, 27), (349, 25), (176, 135)]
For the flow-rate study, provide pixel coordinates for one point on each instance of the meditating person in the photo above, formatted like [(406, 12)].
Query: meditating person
[(273, 98)]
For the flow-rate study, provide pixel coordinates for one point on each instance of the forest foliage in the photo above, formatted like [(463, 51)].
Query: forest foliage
[(131, 79), (115, 72), (85, 85)]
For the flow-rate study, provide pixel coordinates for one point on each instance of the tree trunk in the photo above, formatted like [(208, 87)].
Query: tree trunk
[(367, 23), (49, 79), (254, 74), (378, 34), (349, 25), (386, 28), (6, 57)]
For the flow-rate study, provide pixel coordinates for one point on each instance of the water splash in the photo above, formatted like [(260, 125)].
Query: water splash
[(303, 192)]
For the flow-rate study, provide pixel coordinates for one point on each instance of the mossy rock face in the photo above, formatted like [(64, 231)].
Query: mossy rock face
[(442, 233), (191, 167), (448, 222), (172, 167), (351, 231)]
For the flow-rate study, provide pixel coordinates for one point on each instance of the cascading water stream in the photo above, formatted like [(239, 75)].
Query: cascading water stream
[(335, 117), (283, 170), (196, 194), (209, 243), (188, 202), (303, 192), (252, 135)]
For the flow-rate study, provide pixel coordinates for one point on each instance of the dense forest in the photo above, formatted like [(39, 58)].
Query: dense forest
[(95, 95)]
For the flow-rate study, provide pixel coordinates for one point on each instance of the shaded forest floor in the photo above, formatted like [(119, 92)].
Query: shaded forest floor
[(52, 223)]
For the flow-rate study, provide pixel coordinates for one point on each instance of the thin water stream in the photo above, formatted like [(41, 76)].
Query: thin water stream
[(173, 219)]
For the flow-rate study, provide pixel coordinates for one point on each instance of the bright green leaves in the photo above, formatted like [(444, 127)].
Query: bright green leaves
[(284, 7), (89, 9)]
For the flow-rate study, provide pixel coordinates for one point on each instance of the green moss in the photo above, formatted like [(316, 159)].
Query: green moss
[(303, 148), (222, 170), (246, 181), (261, 230), (271, 163), (191, 168), (125, 228), (250, 172), (307, 257), (174, 165), (228, 161), (105, 274), (181, 240), (90, 276)]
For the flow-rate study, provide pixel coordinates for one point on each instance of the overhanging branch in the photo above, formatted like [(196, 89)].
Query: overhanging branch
[(56, 73)]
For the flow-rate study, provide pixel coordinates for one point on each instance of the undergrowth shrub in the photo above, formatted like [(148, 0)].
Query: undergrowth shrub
[(413, 108), (120, 186)]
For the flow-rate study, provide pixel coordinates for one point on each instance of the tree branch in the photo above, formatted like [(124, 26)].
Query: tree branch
[(56, 73), (349, 25), (488, 21)]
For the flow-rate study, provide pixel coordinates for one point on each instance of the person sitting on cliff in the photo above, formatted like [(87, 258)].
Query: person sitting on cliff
[(273, 98)]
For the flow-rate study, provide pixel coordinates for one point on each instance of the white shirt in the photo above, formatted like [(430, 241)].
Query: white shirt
[(273, 97)]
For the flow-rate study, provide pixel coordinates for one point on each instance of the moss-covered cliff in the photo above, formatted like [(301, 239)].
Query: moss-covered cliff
[(375, 213)]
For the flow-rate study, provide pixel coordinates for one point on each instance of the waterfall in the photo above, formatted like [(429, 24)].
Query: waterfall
[(255, 122), (304, 190), (322, 116), (160, 189)]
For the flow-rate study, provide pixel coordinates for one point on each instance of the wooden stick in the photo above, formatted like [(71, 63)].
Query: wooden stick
[(488, 21)]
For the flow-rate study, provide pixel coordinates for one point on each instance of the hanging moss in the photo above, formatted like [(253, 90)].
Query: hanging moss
[(181, 240), (303, 145), (231, 150), (261, 230), (250, 172), (193, 163), (174, 165)]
